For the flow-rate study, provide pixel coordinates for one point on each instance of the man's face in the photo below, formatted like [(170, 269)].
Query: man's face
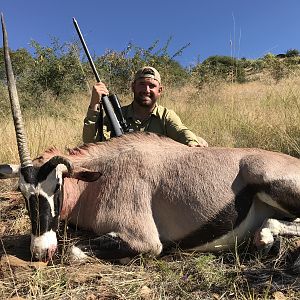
[(146, 91)]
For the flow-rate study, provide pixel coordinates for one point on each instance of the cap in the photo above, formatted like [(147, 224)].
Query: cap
[(147, 72)]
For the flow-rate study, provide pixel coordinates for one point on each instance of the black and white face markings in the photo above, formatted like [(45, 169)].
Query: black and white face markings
[(42, 189)]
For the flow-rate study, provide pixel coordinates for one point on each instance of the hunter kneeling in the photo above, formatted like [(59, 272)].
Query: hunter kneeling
[(143, 114)]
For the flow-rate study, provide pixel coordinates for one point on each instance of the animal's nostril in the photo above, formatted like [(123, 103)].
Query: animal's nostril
[(50, 252), (44, 255), (38, 256)]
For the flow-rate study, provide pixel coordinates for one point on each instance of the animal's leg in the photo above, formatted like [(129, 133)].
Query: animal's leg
[(138, 236), (107, 246), (133, 225), (130, 220), (264, 237), (277, 186), (142, 235)]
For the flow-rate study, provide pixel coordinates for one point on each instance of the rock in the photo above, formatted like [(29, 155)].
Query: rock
[(278, 296), (91, 297), (146, 293), (15, 262)]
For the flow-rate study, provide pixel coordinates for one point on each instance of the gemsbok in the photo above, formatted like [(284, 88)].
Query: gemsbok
[(142, 193)]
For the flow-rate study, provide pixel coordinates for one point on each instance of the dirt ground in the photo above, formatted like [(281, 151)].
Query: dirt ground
[(171, 277)]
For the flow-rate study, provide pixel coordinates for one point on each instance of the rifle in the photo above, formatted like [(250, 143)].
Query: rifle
[(110, 103)]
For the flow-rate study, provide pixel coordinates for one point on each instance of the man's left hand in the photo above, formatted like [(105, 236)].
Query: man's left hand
[(202, 143)]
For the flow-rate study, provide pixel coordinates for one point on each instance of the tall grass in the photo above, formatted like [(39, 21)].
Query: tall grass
[(62, 130), (254, 114)]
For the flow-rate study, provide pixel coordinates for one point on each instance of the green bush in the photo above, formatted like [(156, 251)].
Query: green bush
[(220, 68), (280, 68), (57, 69), (21, 60), (53, 73), (292, 53)]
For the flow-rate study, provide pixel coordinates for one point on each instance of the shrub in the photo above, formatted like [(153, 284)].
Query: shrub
[(220, 68), (21, 60), (279, 69), (56, 70), (292, 53)]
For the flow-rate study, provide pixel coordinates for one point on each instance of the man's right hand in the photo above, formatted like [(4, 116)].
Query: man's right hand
[(99, 89)]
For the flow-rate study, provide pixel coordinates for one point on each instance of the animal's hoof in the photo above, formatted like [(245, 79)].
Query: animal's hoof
[(264, 251), (263, 238), (271, 248), (77, 255)]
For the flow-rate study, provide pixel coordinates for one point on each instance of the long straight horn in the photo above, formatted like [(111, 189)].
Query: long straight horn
[(15, 105)]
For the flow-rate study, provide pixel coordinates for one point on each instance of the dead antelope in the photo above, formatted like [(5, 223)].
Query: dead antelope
[(141, 193)]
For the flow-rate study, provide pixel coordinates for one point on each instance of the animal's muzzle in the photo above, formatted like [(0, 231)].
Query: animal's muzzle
[(43, 247)]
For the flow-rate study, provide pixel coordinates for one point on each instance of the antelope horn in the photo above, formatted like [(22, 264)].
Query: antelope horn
[(15, 105)]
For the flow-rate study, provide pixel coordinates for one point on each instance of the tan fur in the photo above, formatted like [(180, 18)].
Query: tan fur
[(156, 190)]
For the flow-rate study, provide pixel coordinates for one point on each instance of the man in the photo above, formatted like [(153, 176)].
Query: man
[(143, 114)]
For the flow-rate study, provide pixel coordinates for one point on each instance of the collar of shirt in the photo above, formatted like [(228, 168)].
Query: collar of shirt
[(130, 112)]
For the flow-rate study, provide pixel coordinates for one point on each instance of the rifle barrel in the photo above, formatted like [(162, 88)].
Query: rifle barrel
[(109, 110), (86, 50)]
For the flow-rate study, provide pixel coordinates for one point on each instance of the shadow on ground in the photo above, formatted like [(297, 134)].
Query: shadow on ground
[(16, 245)]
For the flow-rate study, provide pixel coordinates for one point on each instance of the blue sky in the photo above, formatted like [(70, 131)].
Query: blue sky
[(255, 27)]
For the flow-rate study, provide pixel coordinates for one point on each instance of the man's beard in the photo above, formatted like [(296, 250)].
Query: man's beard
[(145, 101)]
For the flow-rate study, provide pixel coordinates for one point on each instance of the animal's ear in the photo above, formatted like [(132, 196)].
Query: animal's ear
[(83, 174), (9, 171)]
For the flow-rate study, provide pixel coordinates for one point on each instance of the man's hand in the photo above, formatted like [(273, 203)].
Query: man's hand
[(201, 141), (99, 89)]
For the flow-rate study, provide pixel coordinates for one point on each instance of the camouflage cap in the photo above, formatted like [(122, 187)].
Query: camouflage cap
[(147, 72)]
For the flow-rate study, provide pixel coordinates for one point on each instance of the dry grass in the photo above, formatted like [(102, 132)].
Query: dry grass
[(254, 114), (249, 115), (177, 276), (44, 131)]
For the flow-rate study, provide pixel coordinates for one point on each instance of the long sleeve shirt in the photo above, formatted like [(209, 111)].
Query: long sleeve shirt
[(162, 121)]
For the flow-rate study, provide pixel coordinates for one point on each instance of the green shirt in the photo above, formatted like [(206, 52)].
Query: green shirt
[(162, 121)]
